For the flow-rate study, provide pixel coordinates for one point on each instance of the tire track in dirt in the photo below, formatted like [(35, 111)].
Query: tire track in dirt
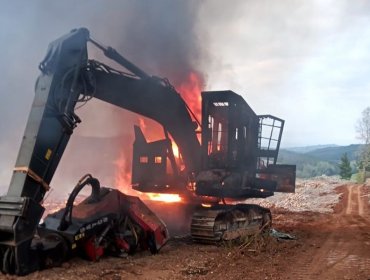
[(349, 200), (360, 203), (343, 251)]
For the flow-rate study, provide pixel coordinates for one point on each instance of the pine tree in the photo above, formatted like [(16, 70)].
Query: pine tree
[(345, 167)]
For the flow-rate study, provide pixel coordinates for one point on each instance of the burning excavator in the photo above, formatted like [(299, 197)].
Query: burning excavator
[(230, 156)]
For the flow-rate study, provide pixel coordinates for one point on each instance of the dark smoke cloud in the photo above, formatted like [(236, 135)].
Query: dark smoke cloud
[(166, 36), (159, 36)]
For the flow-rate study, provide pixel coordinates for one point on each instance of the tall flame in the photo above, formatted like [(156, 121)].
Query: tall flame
[(190, 90)]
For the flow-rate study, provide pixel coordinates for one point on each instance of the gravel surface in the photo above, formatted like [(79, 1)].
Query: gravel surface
[(316, 195)]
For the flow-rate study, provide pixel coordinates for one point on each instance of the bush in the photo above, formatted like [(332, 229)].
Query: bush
[(345, 167)]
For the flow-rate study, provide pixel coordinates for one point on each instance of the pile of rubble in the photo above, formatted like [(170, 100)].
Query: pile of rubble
[(316, 194)]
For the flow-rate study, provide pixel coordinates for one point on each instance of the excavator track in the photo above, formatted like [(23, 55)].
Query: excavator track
[(228, 222)]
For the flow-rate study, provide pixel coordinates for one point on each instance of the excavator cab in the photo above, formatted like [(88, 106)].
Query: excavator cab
[(239, 150), (230, 131)]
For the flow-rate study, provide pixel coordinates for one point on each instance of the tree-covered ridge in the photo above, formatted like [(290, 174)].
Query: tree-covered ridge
[(322, 161)]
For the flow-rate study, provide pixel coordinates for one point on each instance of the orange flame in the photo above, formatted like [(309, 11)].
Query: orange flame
[(175, 150), (152, 130), (164, 197), (190, 90), (206, 205)]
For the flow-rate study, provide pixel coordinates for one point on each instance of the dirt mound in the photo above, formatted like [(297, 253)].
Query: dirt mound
[(315, 195)]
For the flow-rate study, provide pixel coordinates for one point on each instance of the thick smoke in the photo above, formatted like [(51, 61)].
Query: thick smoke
[(161, 37)]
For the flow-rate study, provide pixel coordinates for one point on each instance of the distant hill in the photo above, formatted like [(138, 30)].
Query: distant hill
[(335, 153), (306, 149), (289, 157), (318, 160)]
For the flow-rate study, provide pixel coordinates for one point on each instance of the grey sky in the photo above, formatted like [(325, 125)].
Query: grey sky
[(307, 62)]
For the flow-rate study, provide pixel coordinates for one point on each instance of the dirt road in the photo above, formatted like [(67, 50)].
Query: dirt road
[(343, 244), (328, 246)]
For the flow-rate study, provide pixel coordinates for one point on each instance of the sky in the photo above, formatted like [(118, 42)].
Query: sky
[(307, 62)]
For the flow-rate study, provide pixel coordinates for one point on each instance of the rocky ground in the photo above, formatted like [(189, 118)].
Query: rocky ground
[(330, 219)]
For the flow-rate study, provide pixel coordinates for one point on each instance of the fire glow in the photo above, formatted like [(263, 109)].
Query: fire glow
[(164, 197), (175, 150), (206, 205), (190, 90)]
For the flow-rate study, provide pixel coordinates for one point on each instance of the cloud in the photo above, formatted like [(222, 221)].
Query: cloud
[(306, 62)]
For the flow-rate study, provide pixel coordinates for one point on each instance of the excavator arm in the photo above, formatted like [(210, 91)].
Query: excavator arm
[(67, 78), (50, 124)]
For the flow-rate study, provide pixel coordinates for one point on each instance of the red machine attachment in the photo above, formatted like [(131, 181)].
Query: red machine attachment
[(108, 222)]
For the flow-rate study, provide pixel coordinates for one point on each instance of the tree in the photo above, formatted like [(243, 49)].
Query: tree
[(345, 167), (363, 126), (363, 133)]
